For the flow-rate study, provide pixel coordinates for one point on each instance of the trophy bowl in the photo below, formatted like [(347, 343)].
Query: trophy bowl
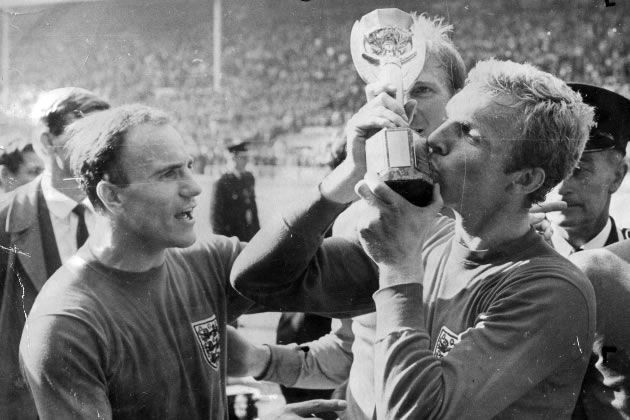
[(386, 47)]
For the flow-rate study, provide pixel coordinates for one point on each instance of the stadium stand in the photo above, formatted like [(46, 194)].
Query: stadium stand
[(286, 65)]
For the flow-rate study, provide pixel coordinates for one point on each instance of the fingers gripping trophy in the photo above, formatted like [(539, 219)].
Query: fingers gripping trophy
[(386, 48)]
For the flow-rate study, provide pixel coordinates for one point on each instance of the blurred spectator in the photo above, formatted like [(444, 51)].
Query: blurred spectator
[(299, 68), (233, 210), (20, 164)]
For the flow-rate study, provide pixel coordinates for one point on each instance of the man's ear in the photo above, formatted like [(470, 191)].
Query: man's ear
[(528, 180), (46, 141), (5, 175), (619, 174), (109, 194)]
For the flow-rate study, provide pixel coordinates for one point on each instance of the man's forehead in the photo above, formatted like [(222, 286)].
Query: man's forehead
[(146, 144), (597, 157), (476, 102), (152, 137), (466, 103), (433, 72)]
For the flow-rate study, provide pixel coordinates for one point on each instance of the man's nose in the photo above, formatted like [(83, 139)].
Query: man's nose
[(565, 187), (437, 141), (190, 186)]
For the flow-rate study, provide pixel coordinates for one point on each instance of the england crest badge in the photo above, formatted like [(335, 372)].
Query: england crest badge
[(208, 337), (445, 342)]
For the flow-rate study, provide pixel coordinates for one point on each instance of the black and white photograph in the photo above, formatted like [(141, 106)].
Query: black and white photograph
[(314, 209)]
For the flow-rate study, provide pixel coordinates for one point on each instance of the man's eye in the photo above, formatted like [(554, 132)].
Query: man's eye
[(171, 173), (577, 171), (421, 90), (470, 134)]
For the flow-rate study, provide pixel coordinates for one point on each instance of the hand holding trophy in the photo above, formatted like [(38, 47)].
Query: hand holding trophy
[(385, 48)]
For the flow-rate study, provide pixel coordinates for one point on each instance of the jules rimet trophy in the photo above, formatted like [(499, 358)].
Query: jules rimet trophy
[(385, 48)]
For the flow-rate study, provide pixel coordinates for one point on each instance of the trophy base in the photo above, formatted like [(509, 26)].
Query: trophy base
[(399, 156), (417, 191)]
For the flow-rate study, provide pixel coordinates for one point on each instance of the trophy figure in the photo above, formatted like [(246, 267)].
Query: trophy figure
[(385, 47)]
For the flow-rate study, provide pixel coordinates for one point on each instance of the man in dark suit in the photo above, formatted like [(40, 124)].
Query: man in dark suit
[(43, 224), (586, 222), (233, 210)]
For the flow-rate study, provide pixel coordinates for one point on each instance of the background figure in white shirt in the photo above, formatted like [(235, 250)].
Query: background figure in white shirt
[(586, 222), (40, 230)]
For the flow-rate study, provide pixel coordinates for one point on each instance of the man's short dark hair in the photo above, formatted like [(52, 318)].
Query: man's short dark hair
[(59, 107), (12, 156), (94, 144)]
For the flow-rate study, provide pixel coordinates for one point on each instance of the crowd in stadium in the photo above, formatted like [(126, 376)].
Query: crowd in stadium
[(280, 76)]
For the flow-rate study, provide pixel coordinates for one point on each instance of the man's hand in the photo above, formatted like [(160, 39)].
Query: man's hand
[(538, 217), (307, 410), (392, 230), (381, 111), (374, 89)]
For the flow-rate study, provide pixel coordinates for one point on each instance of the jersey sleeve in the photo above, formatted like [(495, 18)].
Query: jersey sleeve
[(320, 364), (533, 329), (61, 360), (288, 266)]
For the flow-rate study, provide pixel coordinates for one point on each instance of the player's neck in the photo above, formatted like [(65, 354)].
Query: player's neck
[(491, 231), (117, 249)]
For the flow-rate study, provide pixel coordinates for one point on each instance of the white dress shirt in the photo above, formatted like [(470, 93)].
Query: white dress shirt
[(64, 220), (565, 248)]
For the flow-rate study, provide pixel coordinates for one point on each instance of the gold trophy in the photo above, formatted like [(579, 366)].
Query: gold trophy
[(385, 47)]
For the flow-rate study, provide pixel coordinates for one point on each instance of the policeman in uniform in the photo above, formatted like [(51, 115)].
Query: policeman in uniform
[(586, 222), (233, 210)]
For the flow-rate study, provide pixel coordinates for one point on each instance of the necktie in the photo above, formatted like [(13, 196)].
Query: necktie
[(82, 232)]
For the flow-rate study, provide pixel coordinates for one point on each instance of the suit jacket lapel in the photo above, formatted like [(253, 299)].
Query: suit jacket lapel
[(26, 235), (613, 237)]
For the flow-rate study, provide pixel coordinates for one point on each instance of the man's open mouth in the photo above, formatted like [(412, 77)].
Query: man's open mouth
[(185, 215)]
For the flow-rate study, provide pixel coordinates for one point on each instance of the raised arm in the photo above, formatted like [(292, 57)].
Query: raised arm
[(537, 328), (286, 266), (531, 336)]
